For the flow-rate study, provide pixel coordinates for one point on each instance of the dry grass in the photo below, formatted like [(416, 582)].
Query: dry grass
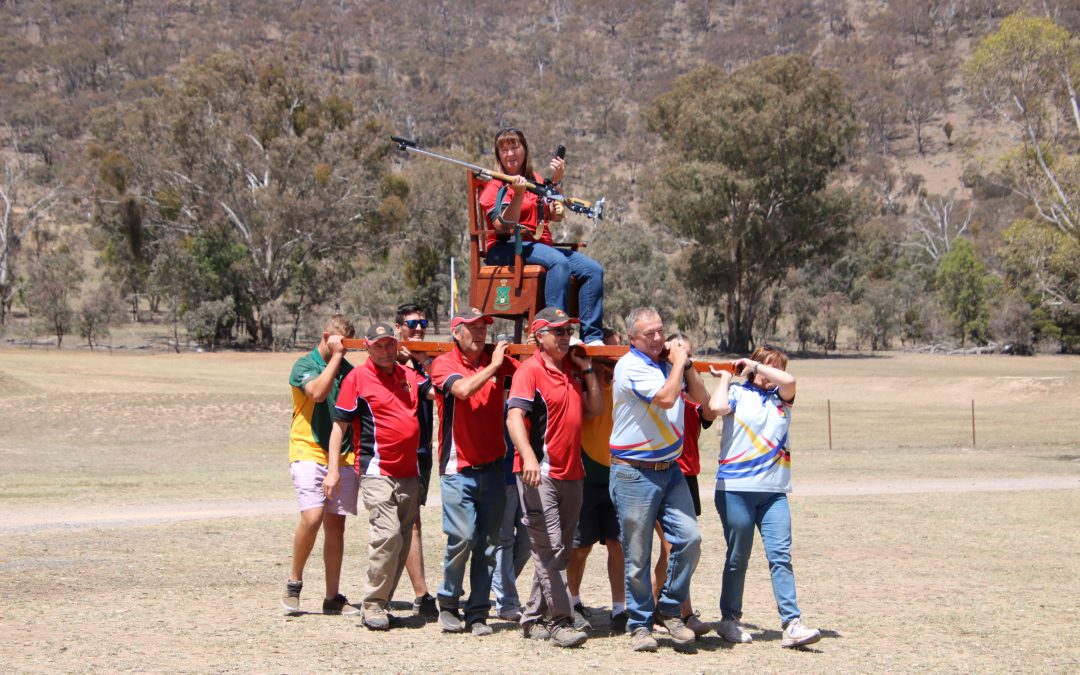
[(940, 582)]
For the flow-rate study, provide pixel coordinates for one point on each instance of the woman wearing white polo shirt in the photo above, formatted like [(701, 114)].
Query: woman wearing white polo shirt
[(752, 485)]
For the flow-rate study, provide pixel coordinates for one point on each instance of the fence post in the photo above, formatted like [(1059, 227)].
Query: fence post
[(828, 405), (972, 424)]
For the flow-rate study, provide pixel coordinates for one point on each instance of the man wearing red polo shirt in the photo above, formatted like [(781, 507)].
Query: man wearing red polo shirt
[(379, 401), (471, 386), (547, 394)]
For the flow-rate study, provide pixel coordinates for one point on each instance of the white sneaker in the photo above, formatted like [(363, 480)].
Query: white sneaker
[(797, 635), (732, 631), (575, 341)]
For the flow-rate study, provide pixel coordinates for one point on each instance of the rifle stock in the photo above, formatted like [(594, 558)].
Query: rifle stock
[(611, 352)]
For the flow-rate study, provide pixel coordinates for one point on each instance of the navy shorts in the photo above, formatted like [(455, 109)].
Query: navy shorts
[(424, 461), (691, 482), (598, 522)]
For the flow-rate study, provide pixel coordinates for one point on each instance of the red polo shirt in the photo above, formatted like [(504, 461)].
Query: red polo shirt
[(382, 409), (532, 211), (690, 459), (470, 430), (551, 400)]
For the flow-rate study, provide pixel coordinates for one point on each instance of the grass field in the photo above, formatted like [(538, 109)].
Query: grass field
[(931, 581)]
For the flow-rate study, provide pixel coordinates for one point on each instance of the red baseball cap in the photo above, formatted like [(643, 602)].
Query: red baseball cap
[(551, 317), (470, 315)]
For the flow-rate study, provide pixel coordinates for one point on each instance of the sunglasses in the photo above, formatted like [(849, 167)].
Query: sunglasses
[(413, 323), (558, 332)]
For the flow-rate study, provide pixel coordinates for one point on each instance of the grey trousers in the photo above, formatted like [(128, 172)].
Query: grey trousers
[(392, 505), (551, 516)]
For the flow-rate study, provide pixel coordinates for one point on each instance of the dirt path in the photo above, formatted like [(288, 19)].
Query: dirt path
[(15, 521)]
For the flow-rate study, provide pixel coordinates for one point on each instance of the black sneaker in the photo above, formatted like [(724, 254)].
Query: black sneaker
[(290, 603), (425, 606), (339, 604), (581, 617), (618, 623)]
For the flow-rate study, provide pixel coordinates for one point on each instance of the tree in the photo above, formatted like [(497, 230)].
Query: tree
[(279, 157), (934, 225), (881, 303), (745, 175), (804, 309), (962, 287), (54, 278), (634, 273), (102, 309), (174, 277), (923, 96), (204, 321), (1026, 72), (1042, 264), (435, 232), (22, 210), (1011, 323)]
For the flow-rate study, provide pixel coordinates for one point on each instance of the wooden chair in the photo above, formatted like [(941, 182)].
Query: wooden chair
[(514, 291)]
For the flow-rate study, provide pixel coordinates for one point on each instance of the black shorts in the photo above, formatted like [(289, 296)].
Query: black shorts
[(691, 482), (423, 461), (598, 522)]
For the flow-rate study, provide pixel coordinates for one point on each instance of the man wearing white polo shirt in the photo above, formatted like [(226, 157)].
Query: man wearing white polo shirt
[(646, 483)]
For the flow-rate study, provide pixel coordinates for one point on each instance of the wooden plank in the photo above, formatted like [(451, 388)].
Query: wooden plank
[(612, 352)]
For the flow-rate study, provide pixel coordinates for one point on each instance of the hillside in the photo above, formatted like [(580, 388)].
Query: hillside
[(584, 74)]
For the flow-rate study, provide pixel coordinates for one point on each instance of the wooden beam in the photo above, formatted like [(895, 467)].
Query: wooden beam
[(612, 352)]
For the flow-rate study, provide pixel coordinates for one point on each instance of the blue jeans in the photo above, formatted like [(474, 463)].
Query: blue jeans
[(561, 263), (740, 512), (473, 502), (642, 497), (510, 556)]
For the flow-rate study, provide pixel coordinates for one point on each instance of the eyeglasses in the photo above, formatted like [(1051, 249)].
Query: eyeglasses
[(558, 332), (413, 323)]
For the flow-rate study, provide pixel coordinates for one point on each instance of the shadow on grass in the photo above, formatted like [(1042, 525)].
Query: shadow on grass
[(503, 625), (716, 354), (769, 635), (706, 643), (408, 621)]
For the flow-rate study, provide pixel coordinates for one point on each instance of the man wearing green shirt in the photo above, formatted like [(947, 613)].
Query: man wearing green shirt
[(314, 380)]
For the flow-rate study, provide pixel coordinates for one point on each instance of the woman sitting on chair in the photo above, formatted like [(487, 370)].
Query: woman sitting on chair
[(509, 204)]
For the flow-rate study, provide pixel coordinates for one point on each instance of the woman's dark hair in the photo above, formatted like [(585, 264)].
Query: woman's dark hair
[(527, 169)]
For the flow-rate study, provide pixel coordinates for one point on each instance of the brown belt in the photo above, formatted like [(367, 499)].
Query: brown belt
[(637, 464)]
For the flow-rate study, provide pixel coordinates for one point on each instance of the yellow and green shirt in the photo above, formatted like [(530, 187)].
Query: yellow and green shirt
[(309, 437)]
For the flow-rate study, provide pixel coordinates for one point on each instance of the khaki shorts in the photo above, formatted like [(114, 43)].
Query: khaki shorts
[(307, 478)]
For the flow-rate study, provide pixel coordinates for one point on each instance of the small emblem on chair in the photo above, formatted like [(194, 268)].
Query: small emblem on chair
[(502, 298)]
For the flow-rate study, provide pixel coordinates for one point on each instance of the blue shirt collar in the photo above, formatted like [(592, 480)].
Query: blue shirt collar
[(645, 357)]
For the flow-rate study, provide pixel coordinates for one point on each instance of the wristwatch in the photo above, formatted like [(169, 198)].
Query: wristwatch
[(688, 365)]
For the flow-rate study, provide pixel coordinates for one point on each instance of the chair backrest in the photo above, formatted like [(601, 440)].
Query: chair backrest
[(478, 226)]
